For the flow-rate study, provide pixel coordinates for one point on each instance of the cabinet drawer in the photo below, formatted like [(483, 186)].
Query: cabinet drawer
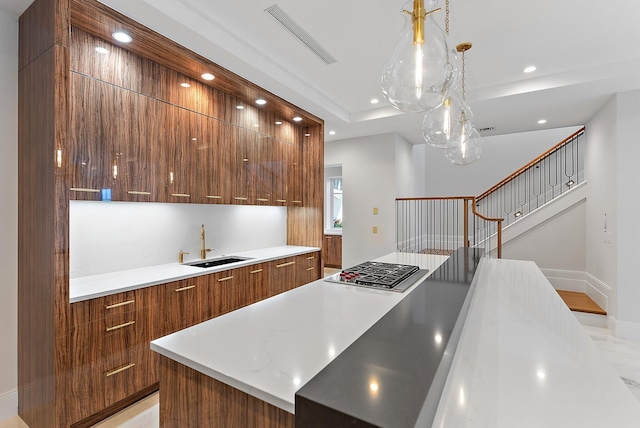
[(181, 304), (116, 304), (111, 337), (102, 384)]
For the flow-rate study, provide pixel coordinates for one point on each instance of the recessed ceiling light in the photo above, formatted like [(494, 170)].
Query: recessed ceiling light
[(122, 37), (185, 85), (278, 122), (332, 132), (374, 101), (297, 119), (261, 101), (101, 50), (542, 121), (240, 107), (530, 69), (207, 76)]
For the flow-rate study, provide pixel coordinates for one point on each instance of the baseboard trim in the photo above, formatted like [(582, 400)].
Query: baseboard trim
[(9, 405), (624, 329)]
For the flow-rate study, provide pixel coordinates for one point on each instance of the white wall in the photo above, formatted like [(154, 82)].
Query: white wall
[(406, 182), (369, 180), (502, 155), (600, 162), (8, 215), (115, 236), (566, 233), (627, 237)]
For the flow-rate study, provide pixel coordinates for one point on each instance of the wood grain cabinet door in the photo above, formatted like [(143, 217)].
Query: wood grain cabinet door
[(241, 151), (258, 282), (307, 268), (234, 289), (212, 163), (282, 275), (294, 175), (180, 305), (90, 153)]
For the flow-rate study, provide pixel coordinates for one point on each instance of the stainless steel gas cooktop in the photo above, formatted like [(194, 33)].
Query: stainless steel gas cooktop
[(384, 276)]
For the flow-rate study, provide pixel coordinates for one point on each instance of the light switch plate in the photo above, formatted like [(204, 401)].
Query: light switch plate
[(375, 211), (375, 229)]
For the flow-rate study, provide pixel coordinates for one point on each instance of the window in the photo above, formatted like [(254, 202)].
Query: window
[(333, 204)]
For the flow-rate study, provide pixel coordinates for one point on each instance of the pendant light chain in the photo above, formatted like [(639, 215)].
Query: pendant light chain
[(463, 89), (446, 19)]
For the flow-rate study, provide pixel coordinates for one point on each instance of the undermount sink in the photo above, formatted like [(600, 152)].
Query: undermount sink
[(218, 262)]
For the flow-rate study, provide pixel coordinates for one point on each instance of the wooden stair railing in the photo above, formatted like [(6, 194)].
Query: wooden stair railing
[(441, 224)]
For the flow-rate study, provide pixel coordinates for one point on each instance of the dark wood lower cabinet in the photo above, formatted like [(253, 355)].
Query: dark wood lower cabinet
[(111, 359), (192, 399), (332, 251)]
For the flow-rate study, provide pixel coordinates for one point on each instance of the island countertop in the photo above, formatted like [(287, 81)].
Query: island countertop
[(524, 360), (273, 347)]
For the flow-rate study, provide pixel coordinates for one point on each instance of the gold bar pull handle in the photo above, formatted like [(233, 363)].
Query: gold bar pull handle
[(189, 287), (225, 278), (80, 189), (121, 369), (240, 198), (256, 271), (116, 305), (285, 264), (311, 258), (281, 200), (311, 268), (138, 192), (116, 327)]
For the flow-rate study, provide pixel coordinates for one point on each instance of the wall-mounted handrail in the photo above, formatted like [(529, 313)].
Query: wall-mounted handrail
[(546, 154)]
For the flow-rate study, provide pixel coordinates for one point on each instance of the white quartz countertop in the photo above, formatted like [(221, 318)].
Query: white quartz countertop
[(523, 360), (90, 287), (273, 347)]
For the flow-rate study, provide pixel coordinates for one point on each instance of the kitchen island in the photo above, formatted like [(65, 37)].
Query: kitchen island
[(522, 359)]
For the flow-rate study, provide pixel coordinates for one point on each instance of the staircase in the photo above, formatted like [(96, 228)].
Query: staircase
[(541, 189)]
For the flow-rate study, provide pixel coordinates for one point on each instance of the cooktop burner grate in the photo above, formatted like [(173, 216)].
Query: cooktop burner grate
[(388, 276)]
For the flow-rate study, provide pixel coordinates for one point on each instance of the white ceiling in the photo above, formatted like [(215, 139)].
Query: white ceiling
[(585, 51)]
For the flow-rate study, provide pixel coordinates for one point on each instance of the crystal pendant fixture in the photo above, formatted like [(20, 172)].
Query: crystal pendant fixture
[(469, 150), (420, 72), (444, 126)]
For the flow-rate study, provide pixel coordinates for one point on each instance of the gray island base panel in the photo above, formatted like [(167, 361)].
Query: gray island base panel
[(394, 374)]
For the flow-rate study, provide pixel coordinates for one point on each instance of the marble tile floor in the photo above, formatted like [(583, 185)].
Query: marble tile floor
[(623, 354)]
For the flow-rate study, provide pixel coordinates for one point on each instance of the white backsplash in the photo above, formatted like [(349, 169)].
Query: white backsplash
[(114, 236)]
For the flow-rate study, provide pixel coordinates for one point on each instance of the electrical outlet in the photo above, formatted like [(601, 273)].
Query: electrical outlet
[(375, 229), (375, 211)]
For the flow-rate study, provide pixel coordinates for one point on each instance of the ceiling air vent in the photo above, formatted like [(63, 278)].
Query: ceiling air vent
[(294, 28), (487, 129)]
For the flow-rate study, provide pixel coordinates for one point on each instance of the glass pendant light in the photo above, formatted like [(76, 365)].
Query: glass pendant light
[(444, 126), (420, 72), (468, 151)]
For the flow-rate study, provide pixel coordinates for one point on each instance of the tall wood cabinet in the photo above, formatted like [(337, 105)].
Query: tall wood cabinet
[(121, 127)]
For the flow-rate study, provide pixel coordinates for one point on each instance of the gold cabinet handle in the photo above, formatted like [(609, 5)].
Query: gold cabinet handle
[(121, 369), (138, 192), (256, 271), (225, 279), (189, 287), (297, 202), (240, 198), (311, 268), (181, 195), (80, 189), (214, 197), (281, 200), (116, 305), (311, 258), (262, 200), (116, 327), (285, 264)]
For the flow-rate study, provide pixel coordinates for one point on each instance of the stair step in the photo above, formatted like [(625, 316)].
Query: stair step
[(580, 302)]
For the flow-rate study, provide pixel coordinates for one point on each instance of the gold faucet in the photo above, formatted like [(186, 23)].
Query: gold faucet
[(181, 256), (203, 250)]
